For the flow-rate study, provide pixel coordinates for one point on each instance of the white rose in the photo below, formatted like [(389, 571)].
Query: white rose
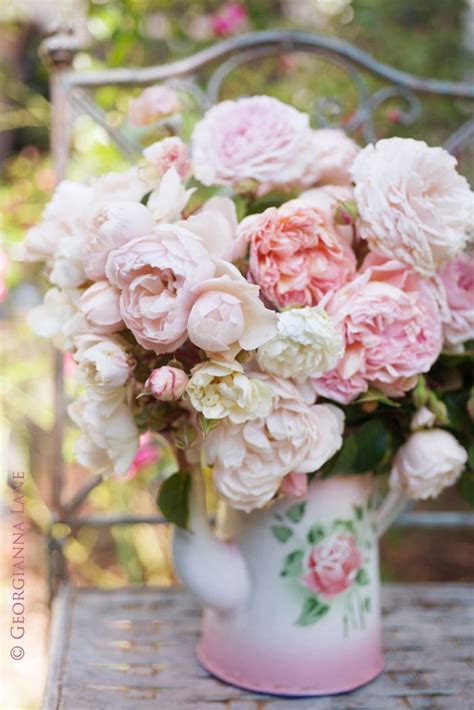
[(222, 389), (428, 462), (413, 205), (251, 458), (168, 200), (102, 362), (307, 342), (109, 438), (67, 268), (58, 317)]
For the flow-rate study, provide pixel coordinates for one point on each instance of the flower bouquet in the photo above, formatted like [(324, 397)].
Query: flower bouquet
[(284, 308)]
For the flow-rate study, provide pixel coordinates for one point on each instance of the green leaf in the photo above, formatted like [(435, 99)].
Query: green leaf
[(315, 534), (359, 512), (173, 498), (313, 610), (364, 449), (362, 578), (296, 512), (367, 604), (293, 564), (282, 533), (345, 526), (466, 486), (373, 395), (207, 425)]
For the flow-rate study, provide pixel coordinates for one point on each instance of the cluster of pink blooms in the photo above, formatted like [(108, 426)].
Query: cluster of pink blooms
[(178, 314)]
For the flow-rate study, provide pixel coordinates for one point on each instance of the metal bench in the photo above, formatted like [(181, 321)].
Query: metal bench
[(134, 647)]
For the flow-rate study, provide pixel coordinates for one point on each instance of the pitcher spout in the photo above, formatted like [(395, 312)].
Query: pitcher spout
[(215, 571)]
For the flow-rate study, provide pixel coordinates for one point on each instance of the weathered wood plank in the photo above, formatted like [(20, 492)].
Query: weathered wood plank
[(134, 648)]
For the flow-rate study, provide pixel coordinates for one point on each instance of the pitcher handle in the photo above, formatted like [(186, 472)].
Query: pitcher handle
[(391, 507)]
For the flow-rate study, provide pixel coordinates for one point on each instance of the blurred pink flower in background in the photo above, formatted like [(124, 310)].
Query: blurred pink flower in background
[(294, 485), (152, 104), (3, 270), (147, 453), (69, 365), (229, 19)]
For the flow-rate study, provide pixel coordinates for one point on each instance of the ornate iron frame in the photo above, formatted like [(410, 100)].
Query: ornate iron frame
[(70, 91)]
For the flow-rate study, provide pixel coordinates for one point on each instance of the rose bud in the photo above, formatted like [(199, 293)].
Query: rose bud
[(167, 383)]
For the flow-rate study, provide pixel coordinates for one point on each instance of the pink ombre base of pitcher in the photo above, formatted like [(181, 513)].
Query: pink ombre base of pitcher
[(296, 677)]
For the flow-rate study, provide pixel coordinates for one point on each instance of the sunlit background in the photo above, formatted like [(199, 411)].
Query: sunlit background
[(430, 38)]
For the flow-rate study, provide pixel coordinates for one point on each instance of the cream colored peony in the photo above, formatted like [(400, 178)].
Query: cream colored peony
[(307, 342), (428, 462), (250, 459), (413, 205), (223, 389)]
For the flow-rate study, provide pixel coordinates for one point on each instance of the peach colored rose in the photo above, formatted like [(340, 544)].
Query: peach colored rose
[(153, 103), (391, 325), (413, 205), (295, 256), (112, 225), (257, 138), (333, 566), (428, 462), (457, 277), (334, 155), (100, 304), (167, 383), (228, 315), (328, 201), (156, 275), (169, 153), (250, 459)]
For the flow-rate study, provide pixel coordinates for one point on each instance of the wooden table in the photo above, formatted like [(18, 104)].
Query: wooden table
[(134, 648)]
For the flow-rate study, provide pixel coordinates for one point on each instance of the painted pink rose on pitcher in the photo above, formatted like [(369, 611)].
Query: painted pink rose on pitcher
[(333, 566)]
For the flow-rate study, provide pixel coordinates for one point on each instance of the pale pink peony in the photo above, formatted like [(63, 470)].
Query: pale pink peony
[(167, 383), (100, 305), (413, 205), (391, 324), (333, 566), (257, 138), (155, 275), (295, 256), (457, 277), (112, 225), (334, 153), (251, 458), (294, 485), (153, 103), (228, 315), (428, 462), (169, 153)]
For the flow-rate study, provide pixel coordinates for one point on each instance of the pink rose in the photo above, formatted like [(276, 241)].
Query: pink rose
[(333, 566), (153, 103), (295, 256), (113, 224), (457, 277), (413, 205), (334, 154), (100, 306), (169, 153), (329, 202), (228, 315), (155, 275), (294, 485), (167, 383), (391, 325), (257, 138)]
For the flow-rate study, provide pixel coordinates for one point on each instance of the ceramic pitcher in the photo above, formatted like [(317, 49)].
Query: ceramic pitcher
[(292, 603)]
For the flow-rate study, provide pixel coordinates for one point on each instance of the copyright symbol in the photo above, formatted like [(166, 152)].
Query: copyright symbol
[(17, 653)]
